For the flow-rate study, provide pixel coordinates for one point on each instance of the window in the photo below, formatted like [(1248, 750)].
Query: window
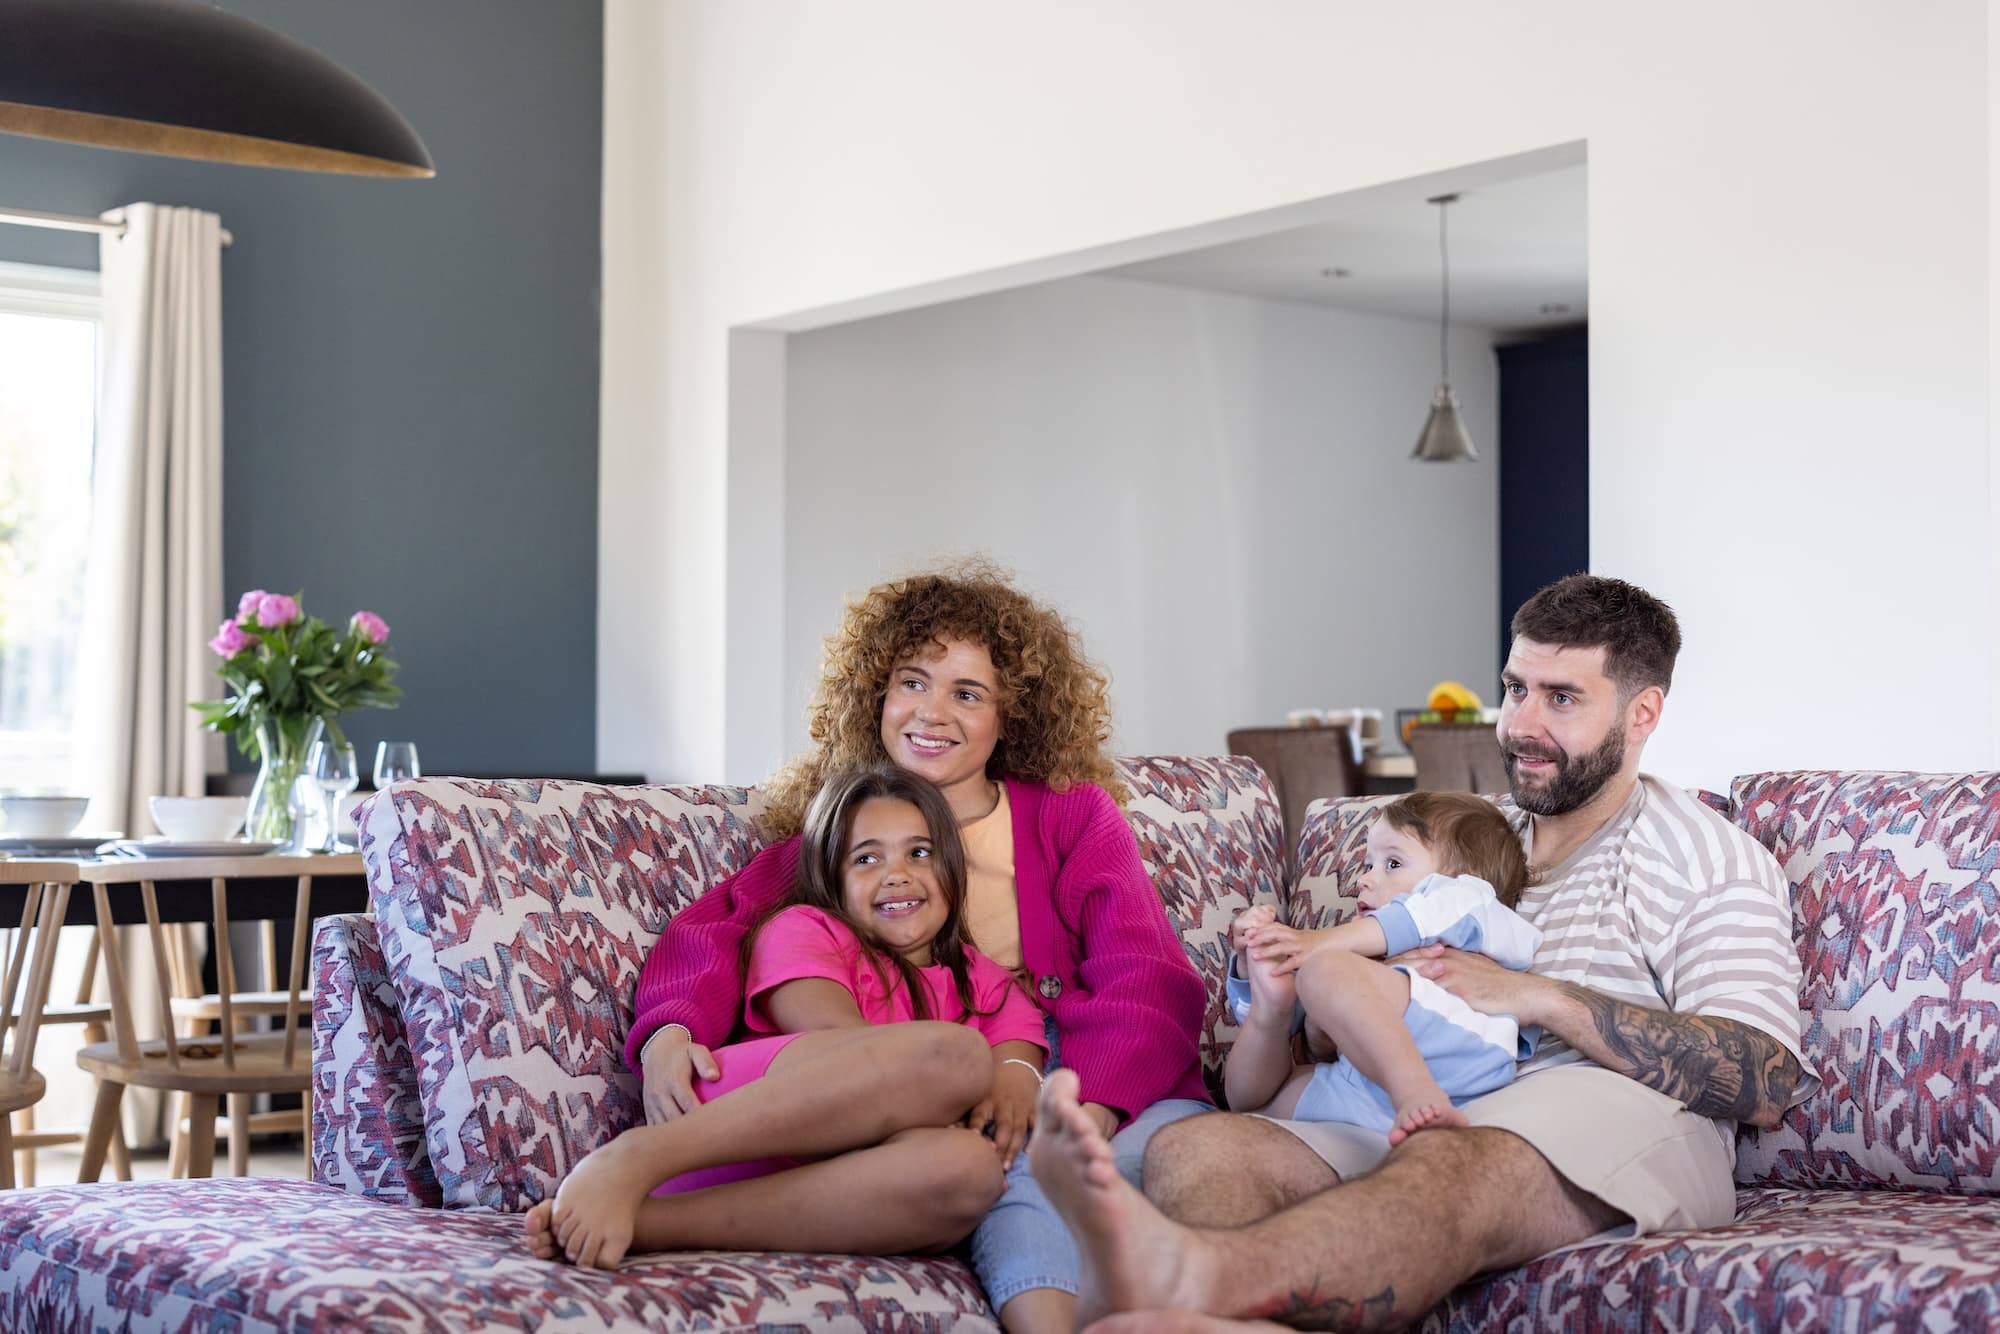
[(48, 410)]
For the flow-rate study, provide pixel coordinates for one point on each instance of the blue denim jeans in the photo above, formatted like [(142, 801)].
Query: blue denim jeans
[(1024, 1243)]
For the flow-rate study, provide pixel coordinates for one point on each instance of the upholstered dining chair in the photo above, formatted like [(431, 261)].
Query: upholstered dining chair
[(1303, 764), (1458, 757)]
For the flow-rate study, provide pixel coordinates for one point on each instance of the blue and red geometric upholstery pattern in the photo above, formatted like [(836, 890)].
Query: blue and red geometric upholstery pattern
[(514, 918), (1896, 910), (1212, 837)]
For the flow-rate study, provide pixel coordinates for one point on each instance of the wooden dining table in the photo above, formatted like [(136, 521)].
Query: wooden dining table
[(154, 892), (262, 888)]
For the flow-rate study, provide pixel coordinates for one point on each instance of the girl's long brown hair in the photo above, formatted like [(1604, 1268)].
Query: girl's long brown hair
[(829, 820)]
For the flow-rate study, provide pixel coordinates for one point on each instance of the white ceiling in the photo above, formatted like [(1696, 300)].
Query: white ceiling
[(1516, 246)]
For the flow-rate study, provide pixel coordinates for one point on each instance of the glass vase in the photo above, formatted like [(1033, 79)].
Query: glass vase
[(282, 747)]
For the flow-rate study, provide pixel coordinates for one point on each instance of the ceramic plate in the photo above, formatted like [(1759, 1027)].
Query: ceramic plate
[(166, 847), (69, 845)]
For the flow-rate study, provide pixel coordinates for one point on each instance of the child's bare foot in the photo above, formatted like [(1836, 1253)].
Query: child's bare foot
[(1426, 1115), (597, 1206), (1133, 1256), (541, 1231)]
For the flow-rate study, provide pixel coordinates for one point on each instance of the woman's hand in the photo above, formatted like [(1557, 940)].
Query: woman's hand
[(669, 1064), (1009, 1109)]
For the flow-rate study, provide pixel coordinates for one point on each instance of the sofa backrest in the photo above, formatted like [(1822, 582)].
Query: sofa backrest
[(514, 917), (1896, 910)]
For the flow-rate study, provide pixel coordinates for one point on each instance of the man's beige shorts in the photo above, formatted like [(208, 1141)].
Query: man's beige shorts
[(1639, 1151)]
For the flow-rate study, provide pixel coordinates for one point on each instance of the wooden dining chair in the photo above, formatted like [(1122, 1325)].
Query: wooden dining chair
[(230, 1065), (24, 992), (199, 1013), (94, 1019)]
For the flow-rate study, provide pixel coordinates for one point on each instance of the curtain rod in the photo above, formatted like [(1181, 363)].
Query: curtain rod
[(69, 222)]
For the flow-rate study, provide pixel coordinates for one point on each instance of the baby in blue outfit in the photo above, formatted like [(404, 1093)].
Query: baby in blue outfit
[(1442, 868)]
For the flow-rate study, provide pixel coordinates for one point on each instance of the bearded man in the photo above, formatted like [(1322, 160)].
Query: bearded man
[(1667, 989)]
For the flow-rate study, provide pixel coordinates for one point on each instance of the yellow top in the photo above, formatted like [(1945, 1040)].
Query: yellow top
[(992, 910)]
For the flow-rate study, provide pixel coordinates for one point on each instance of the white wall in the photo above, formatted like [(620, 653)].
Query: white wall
[(1790, 227), (1216, 490)]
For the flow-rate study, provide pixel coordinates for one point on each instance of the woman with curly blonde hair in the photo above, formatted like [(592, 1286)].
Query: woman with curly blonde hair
[(960, 677)]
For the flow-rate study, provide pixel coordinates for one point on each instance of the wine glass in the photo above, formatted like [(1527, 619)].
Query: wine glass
[(332, 767), (395, 760)]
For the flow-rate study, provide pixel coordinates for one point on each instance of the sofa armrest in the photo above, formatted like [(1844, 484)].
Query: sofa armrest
[(367, 1118)]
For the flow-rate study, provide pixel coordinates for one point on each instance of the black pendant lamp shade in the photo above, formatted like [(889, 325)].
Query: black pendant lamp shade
[(190, 80)]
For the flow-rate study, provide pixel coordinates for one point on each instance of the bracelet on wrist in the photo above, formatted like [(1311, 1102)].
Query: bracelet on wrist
[(1029, 1066), (657, 1033)]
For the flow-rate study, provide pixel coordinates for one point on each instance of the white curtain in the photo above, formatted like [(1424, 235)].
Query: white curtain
[(153, 592)]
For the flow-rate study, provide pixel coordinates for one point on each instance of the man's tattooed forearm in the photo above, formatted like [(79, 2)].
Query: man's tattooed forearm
[(1308, 1309), (1717, 1067)]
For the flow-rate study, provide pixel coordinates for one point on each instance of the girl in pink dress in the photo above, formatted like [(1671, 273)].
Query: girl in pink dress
[(870, 1036)]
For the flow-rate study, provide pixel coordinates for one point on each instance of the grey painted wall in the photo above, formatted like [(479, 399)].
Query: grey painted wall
[(410, 368)]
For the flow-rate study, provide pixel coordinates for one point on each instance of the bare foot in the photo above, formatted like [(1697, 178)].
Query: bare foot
[(1426, 1115), (541, 1231), (597, 1206), (1133, 1257)]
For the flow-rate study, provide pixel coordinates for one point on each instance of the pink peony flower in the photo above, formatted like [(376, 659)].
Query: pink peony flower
[(370, 626), (230, 640), (275, 609), (246, 606)]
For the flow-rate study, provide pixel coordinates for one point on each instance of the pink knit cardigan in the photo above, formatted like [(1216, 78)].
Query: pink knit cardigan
[(1127, 1003)]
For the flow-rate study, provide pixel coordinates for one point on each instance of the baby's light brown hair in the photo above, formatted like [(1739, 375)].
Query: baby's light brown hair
[(1467, 835)]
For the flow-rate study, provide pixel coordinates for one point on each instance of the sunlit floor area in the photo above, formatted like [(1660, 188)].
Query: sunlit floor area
[(270, 1156)]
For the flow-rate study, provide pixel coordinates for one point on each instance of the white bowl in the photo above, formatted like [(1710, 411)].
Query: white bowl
[(41, 817), (198, 819)]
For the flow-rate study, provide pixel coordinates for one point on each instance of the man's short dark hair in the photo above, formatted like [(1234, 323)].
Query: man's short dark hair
[(1637, 631)]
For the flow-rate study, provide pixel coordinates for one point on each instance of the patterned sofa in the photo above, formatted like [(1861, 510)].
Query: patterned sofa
[(466, 1053)]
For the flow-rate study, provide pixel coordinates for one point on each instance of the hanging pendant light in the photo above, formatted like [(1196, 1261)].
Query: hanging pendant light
[(189, 80), (1444, 439)]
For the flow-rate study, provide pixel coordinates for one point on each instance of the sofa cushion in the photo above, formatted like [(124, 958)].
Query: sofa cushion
[(1213, 839), (514, 918), (259, 1256), (1791, 1260), (1897, 917), (368, 1122)]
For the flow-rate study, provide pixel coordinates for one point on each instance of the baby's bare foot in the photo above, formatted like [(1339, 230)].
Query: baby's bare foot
[(1427, 1115)]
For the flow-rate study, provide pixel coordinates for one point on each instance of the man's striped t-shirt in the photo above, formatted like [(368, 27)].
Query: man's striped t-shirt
[(1672, 907)]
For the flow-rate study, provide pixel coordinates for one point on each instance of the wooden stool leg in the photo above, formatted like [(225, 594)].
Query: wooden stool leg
[(239, 1134), (24, 1171), (177, 1153), (103, 1120), (121, 1156), (6, 1153), (201, 1135)]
